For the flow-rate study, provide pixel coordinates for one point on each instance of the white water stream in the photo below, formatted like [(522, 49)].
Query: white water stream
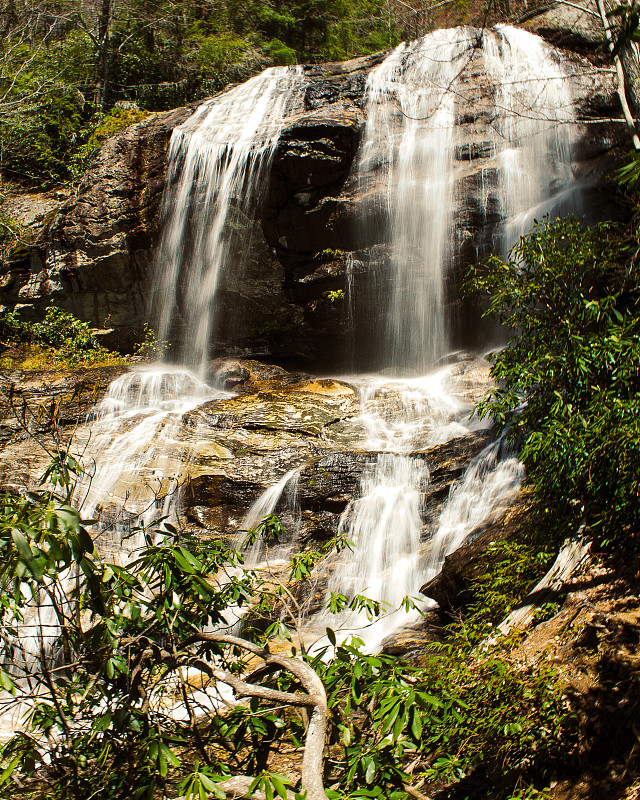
[(408, 148), (218, 160), (393, 552), (136, 442), (134, 449), (535, 130)]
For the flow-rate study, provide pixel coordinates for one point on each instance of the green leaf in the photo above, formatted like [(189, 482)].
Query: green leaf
[(416, 725), (6, 681), (168, 755), (279, 786), (85, 540), (22, 544), (370, 771)]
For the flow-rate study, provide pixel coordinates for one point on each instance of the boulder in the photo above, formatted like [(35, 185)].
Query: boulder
[(416, 640)]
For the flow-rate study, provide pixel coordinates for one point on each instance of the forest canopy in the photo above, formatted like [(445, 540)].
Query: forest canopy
[(65, 65), (73, 73)]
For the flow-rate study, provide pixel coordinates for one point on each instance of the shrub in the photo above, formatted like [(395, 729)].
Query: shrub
[(568, 381), (73, 340)]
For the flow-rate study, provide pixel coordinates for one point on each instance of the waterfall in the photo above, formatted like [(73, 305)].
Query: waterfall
[(489, 484), (422, 104), (134, 446), (218, 166), (407, 166), (406, 159), (385, 523), (265, 505), (219, 160), (414, 102), (135, 450), (535, 130)]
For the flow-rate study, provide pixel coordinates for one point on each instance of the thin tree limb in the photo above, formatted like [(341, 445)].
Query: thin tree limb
[(316, 698), (620, 88)]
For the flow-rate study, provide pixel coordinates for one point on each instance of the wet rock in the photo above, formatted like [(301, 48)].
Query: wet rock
[(247, 375), (469, 151), (211, 518), (332, 481), (40, 411), (304, 408), (221, 491), (228, 373), (451, 588), (415, 640), (317, 526)]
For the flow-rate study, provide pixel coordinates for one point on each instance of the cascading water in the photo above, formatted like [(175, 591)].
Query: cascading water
[(218, 165), (406, 169), (407, 154), (535, 130), (266, 505), (386, 525), (135, 447), (138, 445), (489, 484), (134, 450)]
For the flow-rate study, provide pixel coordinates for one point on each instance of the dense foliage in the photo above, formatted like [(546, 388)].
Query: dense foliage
[(61, 339), (569, 379), (63, 65), (114, 683)]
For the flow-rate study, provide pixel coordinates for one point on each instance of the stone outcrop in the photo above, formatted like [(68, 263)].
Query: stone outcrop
[(100, 245), (225, 452), (307, 242), (451, 588)]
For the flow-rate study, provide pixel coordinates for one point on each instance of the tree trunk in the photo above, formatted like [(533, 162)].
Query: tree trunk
[(102, 65)]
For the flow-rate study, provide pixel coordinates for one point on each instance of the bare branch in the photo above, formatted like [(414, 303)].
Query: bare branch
[(315, 698), (622, 94)]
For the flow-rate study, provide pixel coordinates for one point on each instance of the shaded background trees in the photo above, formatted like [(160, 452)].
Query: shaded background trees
[(65, 64)]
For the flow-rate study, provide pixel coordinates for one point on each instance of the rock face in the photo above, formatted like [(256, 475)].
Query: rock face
[(308, 243), (39, 413), (223, 453), (251, 441), (100, 248)]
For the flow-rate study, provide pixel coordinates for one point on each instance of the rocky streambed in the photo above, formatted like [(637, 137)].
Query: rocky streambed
[(156, 441)]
